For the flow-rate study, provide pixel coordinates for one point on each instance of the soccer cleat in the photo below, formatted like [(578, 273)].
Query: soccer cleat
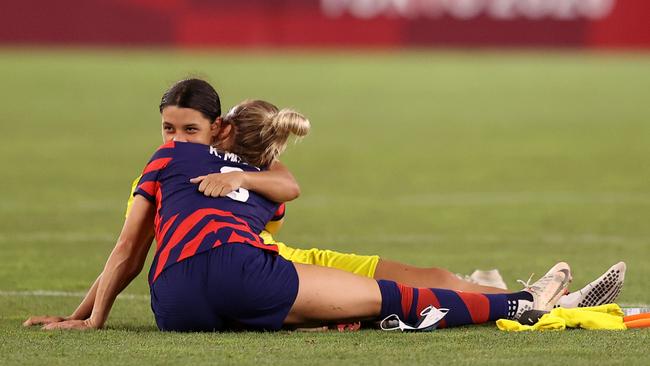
[(545, 293), (604, 290)]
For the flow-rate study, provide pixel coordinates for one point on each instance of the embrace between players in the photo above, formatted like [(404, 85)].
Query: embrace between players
[(212, 195)]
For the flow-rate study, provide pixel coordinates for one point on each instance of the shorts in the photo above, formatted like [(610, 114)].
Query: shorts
[(233, 286), (362, 265)]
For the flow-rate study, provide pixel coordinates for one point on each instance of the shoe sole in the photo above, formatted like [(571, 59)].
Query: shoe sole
[(606, 290)]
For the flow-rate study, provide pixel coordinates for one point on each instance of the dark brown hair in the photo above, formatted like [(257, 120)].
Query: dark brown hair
[(195, 94)]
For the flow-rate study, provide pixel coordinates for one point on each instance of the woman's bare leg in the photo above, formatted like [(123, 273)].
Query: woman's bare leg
[(428, 277), (332, 295), (327, 295)]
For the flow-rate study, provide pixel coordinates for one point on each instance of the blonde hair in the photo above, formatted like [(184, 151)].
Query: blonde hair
[(262, 131)]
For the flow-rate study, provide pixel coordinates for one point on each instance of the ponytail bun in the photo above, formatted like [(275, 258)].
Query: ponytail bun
[(262, 131), (277, 130), (288, 121)]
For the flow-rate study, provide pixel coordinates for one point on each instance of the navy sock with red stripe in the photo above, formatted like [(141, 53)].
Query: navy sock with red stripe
[(464, 307)]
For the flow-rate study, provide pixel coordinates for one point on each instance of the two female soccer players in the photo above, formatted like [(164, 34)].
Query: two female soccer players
[(212, 271), (187, 233)]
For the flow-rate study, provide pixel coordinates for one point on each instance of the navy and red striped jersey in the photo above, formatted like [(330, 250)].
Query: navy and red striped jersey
[(187, 222)]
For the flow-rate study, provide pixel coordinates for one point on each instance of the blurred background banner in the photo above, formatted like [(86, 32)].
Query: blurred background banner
[(318, 23)]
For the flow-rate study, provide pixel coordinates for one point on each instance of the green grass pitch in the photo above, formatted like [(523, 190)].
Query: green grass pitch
[(454, 159)]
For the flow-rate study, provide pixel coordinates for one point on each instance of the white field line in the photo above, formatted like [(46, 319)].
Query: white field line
[(86, 206), (392, 238), (519, 198), (59, 236), (47, 293), (484, 199), (306, 240), (444, 199), (634, 305), (417, 200)]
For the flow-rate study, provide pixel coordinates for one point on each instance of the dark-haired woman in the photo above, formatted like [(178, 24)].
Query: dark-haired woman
[(212, 272)]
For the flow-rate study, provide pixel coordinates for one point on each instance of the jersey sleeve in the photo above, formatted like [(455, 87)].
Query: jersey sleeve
[(279, 213), (274, 225), (129, 203), (149, 183)]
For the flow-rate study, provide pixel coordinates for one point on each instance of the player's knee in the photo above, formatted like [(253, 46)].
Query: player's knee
[(445, 278)]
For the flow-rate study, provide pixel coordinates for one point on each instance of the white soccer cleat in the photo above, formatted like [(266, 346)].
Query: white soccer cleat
[(546, 293), (604, 290)]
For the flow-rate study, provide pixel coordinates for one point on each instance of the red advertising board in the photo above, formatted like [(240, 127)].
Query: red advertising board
[(339, 23)]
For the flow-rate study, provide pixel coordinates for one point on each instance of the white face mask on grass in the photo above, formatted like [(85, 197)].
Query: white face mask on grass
[(429, 319)]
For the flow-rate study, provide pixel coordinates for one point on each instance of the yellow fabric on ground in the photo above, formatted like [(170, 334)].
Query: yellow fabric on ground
[(608, 316), (546, 322)]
